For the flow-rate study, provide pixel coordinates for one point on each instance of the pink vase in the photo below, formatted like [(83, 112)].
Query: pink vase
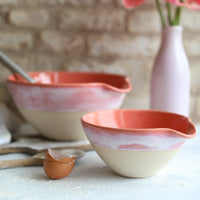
[(170, 81)]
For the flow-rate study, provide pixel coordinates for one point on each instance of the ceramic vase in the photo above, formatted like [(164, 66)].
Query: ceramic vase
[(170, 80)]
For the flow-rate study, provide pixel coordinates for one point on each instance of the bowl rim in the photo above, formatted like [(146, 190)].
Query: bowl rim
[(127, 84), (191, 133)]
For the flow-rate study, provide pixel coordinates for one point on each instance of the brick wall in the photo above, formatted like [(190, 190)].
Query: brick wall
[(92, 35)]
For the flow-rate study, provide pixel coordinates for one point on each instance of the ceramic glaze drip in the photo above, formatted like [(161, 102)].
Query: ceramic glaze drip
[(63, 99), (170, 82), (130, 141)]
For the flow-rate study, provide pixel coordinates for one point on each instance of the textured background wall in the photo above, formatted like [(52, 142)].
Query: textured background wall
[(93, 35)]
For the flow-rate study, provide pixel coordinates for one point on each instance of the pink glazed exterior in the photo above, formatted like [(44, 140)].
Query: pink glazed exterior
[(68, 91), (57, 101), (137, 143), (137, 130)]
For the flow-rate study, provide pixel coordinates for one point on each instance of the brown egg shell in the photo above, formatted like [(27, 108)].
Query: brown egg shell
[(58, 168)]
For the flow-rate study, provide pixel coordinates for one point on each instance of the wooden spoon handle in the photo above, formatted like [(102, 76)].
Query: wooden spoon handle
[(5, 164), (6, 150), (85, 147)]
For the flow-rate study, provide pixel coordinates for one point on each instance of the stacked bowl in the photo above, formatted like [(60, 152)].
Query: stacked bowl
[(137, 143), (57, 101)]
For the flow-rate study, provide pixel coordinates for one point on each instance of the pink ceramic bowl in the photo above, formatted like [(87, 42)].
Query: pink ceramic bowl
[(137, 143), (55, 104)]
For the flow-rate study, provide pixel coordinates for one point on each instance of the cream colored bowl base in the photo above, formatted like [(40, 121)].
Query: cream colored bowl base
[(63, 126), (135, 164)]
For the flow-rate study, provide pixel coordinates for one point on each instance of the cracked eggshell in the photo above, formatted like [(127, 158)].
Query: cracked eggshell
[(56, 165)]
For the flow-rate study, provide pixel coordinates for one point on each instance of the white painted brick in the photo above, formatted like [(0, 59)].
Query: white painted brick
[(122, 45), (190, 20), (92, 19), (15, 41), (29, 18), (144, 21), (62, 43)]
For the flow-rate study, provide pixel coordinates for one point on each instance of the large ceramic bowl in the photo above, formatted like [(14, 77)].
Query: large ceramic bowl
[(56, 103), (137, 143)]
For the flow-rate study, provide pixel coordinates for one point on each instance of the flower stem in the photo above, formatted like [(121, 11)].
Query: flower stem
[(160, 12), (176, 20), (169, 13)]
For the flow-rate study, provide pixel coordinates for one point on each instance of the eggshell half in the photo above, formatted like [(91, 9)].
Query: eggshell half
[(56, 166)]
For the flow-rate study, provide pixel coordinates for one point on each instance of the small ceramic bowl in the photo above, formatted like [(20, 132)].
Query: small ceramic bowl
[(137, 143), (57, 101)]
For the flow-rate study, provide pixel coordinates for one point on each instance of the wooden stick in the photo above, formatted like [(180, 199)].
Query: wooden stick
[(5, 164)]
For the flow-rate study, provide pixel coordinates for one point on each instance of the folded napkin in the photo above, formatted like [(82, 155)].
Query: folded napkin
[(7, 122), (5, 135)]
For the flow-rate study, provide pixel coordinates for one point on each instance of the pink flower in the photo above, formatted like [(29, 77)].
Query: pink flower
[(191, 4), (171, 19), (132, 3)]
